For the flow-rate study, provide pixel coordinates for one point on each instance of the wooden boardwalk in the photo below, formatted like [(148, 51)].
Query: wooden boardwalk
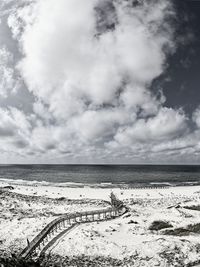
[(56, 228)]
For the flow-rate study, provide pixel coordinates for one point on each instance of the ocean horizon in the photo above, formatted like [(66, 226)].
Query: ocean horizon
[(101, 175)]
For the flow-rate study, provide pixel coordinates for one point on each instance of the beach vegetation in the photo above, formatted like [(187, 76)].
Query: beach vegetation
[(56, 260), (159, 225), (193, 207), (181, 231)]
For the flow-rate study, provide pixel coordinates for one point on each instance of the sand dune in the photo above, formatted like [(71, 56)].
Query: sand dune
[(27, 209)]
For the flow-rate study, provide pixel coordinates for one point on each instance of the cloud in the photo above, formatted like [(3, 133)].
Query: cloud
[(8, 81), (14, 129), (196, 117), (100, 125), (65, 62), (90, 66), (166, 125)]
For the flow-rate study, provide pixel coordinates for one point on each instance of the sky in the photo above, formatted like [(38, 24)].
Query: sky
[(100, 81)]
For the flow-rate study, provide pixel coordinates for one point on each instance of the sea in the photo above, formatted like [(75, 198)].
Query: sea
[(103, 176)]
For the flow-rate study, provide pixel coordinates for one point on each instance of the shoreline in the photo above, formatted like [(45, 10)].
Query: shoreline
[(102, 185), (103, 193)]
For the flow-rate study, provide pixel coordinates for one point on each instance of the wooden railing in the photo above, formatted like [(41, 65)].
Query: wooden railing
[(38, 244)]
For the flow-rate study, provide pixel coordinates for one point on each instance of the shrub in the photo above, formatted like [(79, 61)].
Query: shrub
[(192, 228), (17, 262), (192, 207), (158, 225), (177, 232)]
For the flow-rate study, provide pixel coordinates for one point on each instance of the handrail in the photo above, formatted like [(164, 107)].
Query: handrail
[(47, 229)]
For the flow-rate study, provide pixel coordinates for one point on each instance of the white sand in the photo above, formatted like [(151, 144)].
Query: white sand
[(101, 193), (126, 236)]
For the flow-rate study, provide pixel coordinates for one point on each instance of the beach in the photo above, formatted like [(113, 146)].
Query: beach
[(161, 227)]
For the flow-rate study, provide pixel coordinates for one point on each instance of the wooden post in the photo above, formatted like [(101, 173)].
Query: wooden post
[(34, 252)]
